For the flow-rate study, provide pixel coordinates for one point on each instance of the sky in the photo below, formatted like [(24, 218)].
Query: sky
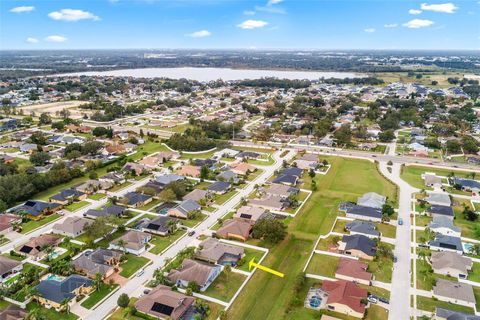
[(232, 24)]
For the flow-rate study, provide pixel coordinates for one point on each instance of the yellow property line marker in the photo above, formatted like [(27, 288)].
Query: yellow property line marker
[(252, 264)]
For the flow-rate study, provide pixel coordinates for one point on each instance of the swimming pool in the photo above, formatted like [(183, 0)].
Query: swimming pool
[(54, 277), (315, 302), (467, 247)]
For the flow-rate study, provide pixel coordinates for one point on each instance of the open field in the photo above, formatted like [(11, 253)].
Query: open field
[(54, 107), (347, 179), (413, 175)]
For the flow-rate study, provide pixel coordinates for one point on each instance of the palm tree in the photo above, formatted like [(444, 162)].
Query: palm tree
[(48, 250), (98, 281), (171, 226), (33, 314), (122, 243), (228, 271), (65, 305)]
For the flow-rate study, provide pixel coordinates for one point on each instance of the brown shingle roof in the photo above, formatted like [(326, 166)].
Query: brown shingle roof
[(235, 227), (176, 304), (346, 293), (353, 268)]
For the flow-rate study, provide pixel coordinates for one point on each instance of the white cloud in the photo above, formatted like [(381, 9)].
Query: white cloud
[(271, 2), (418, 23), (252, 24), (72, 15), (22, 9), (270, 9), (369, 30), (391, 25), (32, 40), (200, 34), (440, 7), (56, 38), (414, 11), (249, 12)]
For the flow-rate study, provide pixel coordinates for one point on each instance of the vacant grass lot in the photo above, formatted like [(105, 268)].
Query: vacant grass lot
[(346, 180), (224, 287), (161, 243), (429, 304), (323, 265), (98, 295), (132, 265), (32, 224)]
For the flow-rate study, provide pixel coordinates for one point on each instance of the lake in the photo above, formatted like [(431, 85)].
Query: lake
[(211, 74)]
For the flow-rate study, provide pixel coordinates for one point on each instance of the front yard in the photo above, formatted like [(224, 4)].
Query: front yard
[(161, 243), (77, 205), (34, 224), (323, 265), (98, 295), (132, 265), (222, 198), (193, 222), (429, 304)]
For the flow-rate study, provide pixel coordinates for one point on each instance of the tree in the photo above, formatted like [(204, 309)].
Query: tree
[(123, 300), (386, 136), (98, 281), (74, 154), (204, 172), (271, 230), (453, 146), (469, 214), (65, 305), (343, 135), (387, 210), (122, 243), (167, 195), (39, 158), (45, 119)]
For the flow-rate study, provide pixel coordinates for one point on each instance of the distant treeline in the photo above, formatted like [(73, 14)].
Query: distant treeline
[(357, 81), (275, 83)]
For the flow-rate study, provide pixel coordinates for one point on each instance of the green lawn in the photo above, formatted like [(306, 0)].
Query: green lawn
[(429, 304), (119, 186), (249, 255), (222, 198), (204, 155), (18, 258), (98, 295), (161, 243), (468, 227), (150, 205), (381, 269), (323, 265), (253, 175), (346, 180), (422, 220), (474, 275), (413, 175), (132, 265), (77, 205), (51, 313), (387, 230), (96, 196), (224, 287), (193, 222), (425, 279), (32, 224)]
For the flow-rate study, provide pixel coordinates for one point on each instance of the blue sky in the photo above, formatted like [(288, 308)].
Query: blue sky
[(266, 24)]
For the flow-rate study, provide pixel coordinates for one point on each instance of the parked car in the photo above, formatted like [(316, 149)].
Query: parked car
[(372, 299), (140, 272), (383, 300), (191, 233), (400, 221)]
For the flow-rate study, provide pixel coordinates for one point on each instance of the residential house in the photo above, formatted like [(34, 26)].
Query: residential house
[(358, 245), (189, 171), (135, 199), (441, 211), (183, 209), (52, 293), (361, 212), (134, 242), (242, 168), (307, 161), (12, 312), (197, 195), (219, 187), (7, 221), (113, 210), (8, 269), (67, 196), (163, 303), (362, 227), (235, 228), (92, 186), (247, 155), (161, 225), (151, 162), (451, 264), (445, 314), (440, 199), (289, 176), (228, 176), (114, 149), (71, 226), (169, 178), (217, 252), (250, 214), (432, 180), (446, 243), (280, 190), (35, 209), (193, 271), (136, 168), (353, 270), (345, 297), (372, 200), (468, 185), (113, 177), (103, 261), (444, 225), (272, 203), (35, 247), (454, 292)]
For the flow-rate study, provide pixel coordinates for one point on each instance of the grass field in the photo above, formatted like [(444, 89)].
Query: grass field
[(98, 295), (249, 255), (51, 313), (96, 196), (346, 180), (223, 288), (429, 304), (323, 265), (77, 206), (132, 265), (222, 198), (193, 222), (468, 227)]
